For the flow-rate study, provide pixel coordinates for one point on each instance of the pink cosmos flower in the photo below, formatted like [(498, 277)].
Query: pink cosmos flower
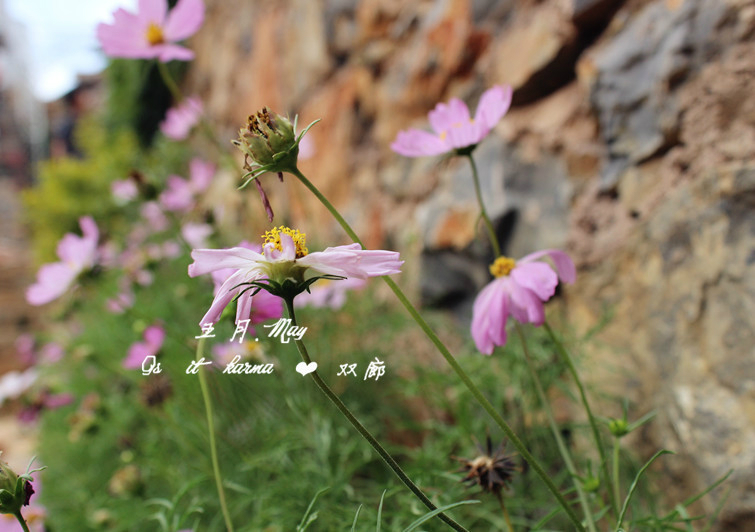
[(152, 32), (196, 235), (124, 190), (519, 289), (76, 254), (154, 335), (453, 126), (326, 293), (180, 193), (284, 256), (180, 119)]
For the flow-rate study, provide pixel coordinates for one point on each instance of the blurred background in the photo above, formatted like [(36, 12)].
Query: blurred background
[(630, 144)]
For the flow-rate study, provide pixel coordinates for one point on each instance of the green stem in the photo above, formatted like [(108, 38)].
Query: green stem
[(205, 126), (451, 361), (213, 445), (22, 521), (170, 82), (483, 212), (363, 431), (616, 489), (593, 422), (563, 449)]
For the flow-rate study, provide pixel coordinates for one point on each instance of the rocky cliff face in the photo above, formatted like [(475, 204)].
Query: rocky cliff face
[(631, 142)]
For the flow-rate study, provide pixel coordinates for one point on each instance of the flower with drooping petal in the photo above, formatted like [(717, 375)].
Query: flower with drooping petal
[(152, 31), (180, 119), (284, 258), (519, 289), (76, 254), (154, 335), (455, 130), (181, 193)]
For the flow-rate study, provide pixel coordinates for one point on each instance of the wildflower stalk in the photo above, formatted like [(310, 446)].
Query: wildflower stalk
[(593, 422), (211, 431), (483, 212), (22, 521), (557, 433), (363, 431), (205, 126), (505, 510), (616, 489), (508, 431)]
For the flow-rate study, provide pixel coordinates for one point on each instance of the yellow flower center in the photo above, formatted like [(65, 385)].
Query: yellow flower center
[(155, 34), (273, 236), (502, 266)]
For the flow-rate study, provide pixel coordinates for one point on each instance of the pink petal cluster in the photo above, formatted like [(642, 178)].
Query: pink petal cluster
[(454, 128), (180, 119), (152, 32), (180, 194), (520, 294), (76, 254), (154, 335), (248, 265), (124, 190)]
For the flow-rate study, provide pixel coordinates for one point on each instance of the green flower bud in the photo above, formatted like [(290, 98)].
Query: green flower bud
[(15, 491), (269, 140), (590, 484), (619, 427)]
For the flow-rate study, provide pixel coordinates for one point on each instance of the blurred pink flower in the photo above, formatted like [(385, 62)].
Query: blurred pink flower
[(453, 126), (45, 401), (14, 383), (180, 193), (124, 190), (120, 303), (327, 293), (76, 254), (155, 217), (282, 254), (181, 118), (152, 32), (196, 234), (154, 335), (519, 290)]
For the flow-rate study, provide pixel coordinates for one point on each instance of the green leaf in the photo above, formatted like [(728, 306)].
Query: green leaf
[(435, 512), (633, 487)]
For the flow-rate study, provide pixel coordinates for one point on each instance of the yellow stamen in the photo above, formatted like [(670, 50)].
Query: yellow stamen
[(273, 236), (155, 34), (502, 266)]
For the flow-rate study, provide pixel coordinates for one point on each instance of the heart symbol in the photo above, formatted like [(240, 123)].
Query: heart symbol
[(304, 369)]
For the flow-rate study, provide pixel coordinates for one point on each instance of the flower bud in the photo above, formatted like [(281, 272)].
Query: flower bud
[(619, 427), (269, 139), (15, 491)]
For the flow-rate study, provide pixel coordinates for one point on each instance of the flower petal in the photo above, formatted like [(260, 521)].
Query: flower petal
[(445, 116), (184, 20), (526, 307), (564, 265), (418, 143), (493, 104), (210, 260), (52, 282), (489, 315), (537, 277), (153, 11), (172, 52), (353, 261), (154, 335)]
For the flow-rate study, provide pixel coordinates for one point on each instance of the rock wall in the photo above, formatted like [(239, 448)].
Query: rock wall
[(630, 142)]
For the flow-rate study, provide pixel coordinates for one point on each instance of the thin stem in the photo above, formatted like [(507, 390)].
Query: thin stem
[(22, 521), (593, 422), (170, 82), (211, 431), (505, 511), (563, 449), (483, 212), (452, 361), (363, 431), (616, 489)]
